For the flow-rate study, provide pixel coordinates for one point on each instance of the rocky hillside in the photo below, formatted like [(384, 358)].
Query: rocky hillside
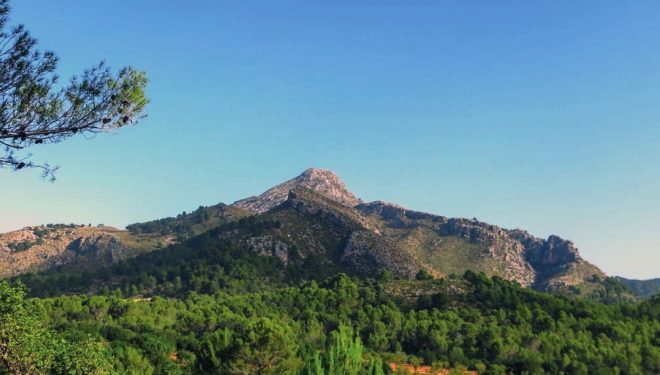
[(64, 246), (371, 236), (318, 217), (320, 180), (42, 248), (451, 245)]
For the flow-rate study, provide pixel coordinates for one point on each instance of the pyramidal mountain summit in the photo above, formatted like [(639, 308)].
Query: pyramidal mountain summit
[(318, 218), (322, 181)]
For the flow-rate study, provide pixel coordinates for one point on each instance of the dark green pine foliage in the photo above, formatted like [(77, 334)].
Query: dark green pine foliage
[(208, 307), (345, 356)]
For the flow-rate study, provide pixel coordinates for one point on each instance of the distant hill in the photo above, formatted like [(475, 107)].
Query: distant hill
[(642, 288), (318, 217), (71, 246), (63, 246)]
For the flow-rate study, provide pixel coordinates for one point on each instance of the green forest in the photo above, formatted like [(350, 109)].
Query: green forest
[(206, 306)]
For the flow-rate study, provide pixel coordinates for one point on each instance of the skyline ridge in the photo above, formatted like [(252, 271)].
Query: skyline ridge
[(328, 183)]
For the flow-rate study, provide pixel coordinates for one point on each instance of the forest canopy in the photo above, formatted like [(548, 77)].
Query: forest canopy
[(206, 306)]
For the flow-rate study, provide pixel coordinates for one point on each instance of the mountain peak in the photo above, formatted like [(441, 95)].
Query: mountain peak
[(318, 174), (323, 181), (317, 171)]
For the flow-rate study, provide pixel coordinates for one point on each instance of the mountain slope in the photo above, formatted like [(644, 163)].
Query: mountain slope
[(453, 245), (371, 236), (62, 246), (319, 218), (40, 248), (320, 180), (189, 224)]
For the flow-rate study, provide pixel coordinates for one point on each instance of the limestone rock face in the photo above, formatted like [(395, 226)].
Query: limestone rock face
[(551, 252), (319, 180), (557, 261), (94, 243), (268, 246), (79, 247)]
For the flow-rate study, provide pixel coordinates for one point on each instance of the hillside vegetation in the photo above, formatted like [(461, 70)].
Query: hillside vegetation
[(225, 313), (313, 286), (643, 288), (320, 218)]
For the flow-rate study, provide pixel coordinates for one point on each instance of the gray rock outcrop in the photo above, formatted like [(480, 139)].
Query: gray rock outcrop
[(319, 180)]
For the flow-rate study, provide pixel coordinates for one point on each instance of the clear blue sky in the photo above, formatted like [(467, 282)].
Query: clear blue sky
[(542, 115)]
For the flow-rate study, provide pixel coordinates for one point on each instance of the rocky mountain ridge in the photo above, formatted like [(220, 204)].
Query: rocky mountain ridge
[(550, 263), (322, 218), (40, 248)]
